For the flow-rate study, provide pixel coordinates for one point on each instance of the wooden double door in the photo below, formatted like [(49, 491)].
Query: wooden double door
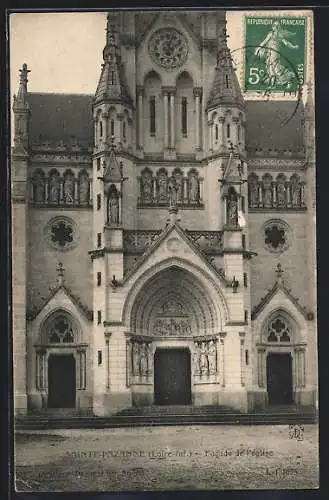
[(61, 381), (172, 377), (279, 378)]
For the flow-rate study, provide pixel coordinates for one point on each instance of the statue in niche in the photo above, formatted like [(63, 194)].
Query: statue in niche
[(54, 189), (69, 188), (162, 186), (193, 189), (143, 359), (212, 358), (84, 188), (267, 191), (179, 185), (135, 358), (280, 193), (203, 361), (232, 209), (146, 186), (39, 188), (172, 190), (295, 192), (113, 206), (253, 191)]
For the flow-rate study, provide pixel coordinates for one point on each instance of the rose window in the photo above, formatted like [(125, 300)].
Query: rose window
[(168, 48), (61, 233), (277, 235)]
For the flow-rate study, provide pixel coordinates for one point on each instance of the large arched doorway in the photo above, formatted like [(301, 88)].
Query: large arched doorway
[(175, 320)]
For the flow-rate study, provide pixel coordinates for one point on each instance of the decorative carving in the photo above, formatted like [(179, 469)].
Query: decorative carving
[(140, 358), (207, 240), (205, 358), (172, 326), (168, 47), (280, 193), (139, 241)]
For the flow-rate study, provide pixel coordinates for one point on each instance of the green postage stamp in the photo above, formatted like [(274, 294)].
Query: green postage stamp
[(275, 55)]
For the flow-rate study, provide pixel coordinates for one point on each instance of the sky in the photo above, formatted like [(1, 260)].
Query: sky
[(64, 50)]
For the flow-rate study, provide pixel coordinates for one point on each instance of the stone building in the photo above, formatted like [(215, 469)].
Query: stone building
[(163, 231)]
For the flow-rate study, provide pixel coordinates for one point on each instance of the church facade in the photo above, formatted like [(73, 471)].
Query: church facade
[(163, 232)]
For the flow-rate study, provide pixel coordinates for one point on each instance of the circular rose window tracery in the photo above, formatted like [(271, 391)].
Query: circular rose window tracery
[(61, 233), (168, 48), (277, 235)]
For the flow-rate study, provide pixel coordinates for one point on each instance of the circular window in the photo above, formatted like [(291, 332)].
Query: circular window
[(168, 48), (61, 233), (277, 235)]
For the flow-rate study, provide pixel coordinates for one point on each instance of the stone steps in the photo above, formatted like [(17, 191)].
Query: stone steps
[(162, 416)]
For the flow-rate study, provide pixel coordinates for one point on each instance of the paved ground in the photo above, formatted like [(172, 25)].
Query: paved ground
[(167, 458)]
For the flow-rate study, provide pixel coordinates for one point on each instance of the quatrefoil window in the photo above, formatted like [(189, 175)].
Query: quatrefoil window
[(278, 331)]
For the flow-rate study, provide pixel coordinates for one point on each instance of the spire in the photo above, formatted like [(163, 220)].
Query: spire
[(225, 88), (20, 100), (112, 84)]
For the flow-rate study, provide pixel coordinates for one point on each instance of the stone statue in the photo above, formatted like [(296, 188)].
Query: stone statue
[(143, 359), (203, 362), (135, 358), (69, 189), (212, 358), (267, 192), (253, 191), (232, 209), (162, 186), (39, 189), (146, 186), (295, 192), (179, 185), (172, 190), (113, 207), (280, 193), (84, 189), (196, 360), (54, 189), (193, 189)]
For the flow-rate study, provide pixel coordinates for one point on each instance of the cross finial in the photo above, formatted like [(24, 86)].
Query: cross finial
[(279, 273), (60, 273)]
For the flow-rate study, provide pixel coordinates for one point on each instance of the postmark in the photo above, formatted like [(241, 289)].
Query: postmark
[(275, 54)]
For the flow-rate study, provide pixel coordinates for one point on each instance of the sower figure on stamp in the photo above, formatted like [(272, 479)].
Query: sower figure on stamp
[(269, 49)]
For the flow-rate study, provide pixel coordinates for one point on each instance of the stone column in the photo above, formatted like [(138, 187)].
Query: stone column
[(235, 124), (107, 342), (210, 136), (155, 194), (197, 92), (260, 194), (172, 119), (222, 358), (261, 363), (185, 189), (140, 105), (273, 194), (200, 190), (166, 119), (61, 190), (242, 360)]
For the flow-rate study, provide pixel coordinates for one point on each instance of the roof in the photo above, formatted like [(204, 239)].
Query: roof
[(56, 117), (274, 125), (270, 125)]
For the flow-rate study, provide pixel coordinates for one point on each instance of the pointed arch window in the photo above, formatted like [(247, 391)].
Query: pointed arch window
[(184, 116), (226, 81), (100, 129), (228, 130), (112, 78), (124, 130), (216, 132), (61, 330), (152, 117), (278, 330), (112, 128)]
